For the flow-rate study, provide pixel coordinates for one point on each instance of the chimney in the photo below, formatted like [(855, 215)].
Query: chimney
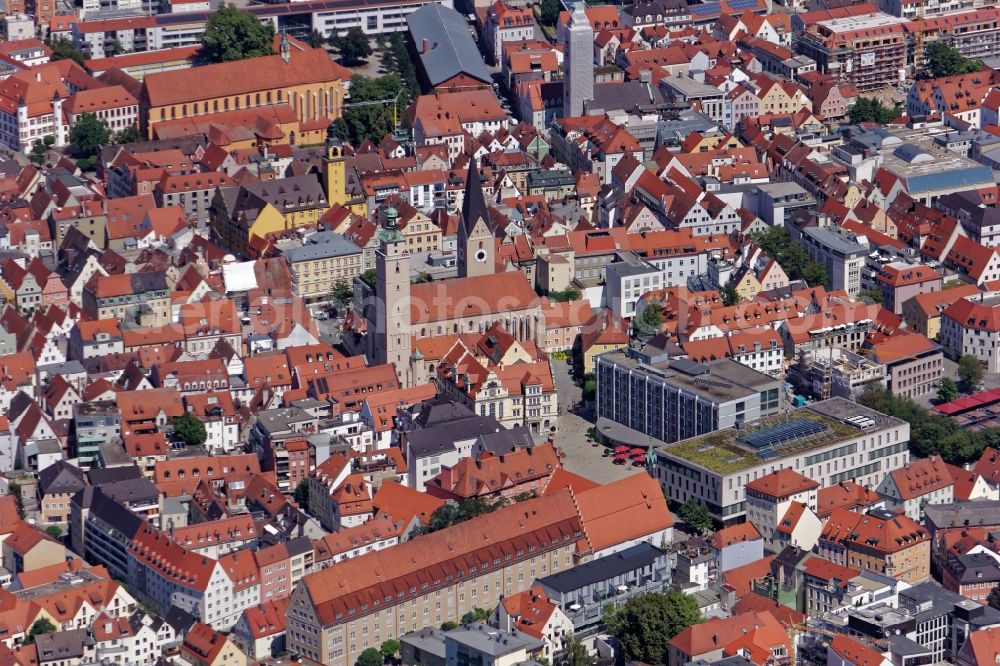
[(425, 46)]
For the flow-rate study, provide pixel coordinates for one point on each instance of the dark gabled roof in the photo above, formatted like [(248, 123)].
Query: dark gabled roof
[(148, 281), (605, 568), (108, 511), (503, 442), (474, 203), (100, 476), (440, 438), (61, 477), (131, 490), (451, 51), (440, 410)]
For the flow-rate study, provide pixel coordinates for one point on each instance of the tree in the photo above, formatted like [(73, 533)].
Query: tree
[(871, 296), (574, 653), (353, 47), (369, 277), (370, 657), (994, 599), (696, 515), (370, 122), (475, 615), (301, 495), (870, 110), (89, 133), (947, 390), (423, 277), (233, 34), (970, 371), (650, 321), (43, 626), (549, 14), (449, 625), (943, 60), (342, 292), (793, 259), (645, 624), (390, 649), (315, 39), (63, 49), (567, 294), (729, 295), (128, 135), (54, 531), (190, 429)]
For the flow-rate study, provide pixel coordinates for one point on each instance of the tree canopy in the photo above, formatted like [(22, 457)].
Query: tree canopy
[(868, 110), (190, 429), (369, 657), (88, 134), (696, 515), (550, 10), (370, 122), (645, 624), (931, 434), (650, 321), (947, 390), (794, 260), (943, 60), (353, 46), (63, 49), (574, 653), (233, 34), (993, 600), (42, 626), (970, 371), (453, 513)]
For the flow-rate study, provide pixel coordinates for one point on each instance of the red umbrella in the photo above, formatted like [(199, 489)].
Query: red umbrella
[(636, 451), (621, 449), (621, 456)]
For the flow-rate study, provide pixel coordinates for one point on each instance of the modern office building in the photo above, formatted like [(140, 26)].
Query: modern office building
[(830, 441), (586, 591), (654, 396)]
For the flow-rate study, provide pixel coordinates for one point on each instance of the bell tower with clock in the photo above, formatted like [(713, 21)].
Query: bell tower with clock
[(476, 245)]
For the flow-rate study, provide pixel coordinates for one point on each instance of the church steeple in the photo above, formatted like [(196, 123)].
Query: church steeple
[(476, 245), (474, 202)]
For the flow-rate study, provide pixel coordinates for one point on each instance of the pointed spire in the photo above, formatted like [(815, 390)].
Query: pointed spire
[(474, 203)]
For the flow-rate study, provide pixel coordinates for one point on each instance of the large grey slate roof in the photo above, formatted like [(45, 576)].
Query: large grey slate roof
[(440, 438), (451, 49)]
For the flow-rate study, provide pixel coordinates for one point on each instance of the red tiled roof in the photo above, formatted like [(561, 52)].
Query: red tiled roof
[(782, 483)]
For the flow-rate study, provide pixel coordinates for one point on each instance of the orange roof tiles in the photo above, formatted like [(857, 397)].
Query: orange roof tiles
[(306, 66), (884, 535), (403, 503), (782, 483), (728, 536), (920, 477)]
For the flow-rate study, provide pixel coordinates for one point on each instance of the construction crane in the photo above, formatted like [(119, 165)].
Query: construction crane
[(381, 102)]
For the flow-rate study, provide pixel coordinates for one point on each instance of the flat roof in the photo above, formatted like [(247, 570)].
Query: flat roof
[(727, 452), (862, 22), (603, 568), (723, 380)]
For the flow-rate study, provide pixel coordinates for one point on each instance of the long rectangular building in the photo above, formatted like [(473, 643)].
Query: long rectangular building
[(830, 441), (643, 394), (338, 612)]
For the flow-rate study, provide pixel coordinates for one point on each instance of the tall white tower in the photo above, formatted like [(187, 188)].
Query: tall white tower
[(392, 327), (578, 82)]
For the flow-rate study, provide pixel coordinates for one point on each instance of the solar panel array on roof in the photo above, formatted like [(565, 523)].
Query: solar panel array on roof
[(688, 367), (706, 9), (743, 4), (783, 432)]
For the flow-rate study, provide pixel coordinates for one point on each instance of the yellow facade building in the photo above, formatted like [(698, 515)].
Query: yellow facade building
[(304, 78)]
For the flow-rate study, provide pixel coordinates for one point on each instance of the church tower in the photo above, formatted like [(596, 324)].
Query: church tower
[(334, 170), (391, 328), (476, 245), (578, 83)]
